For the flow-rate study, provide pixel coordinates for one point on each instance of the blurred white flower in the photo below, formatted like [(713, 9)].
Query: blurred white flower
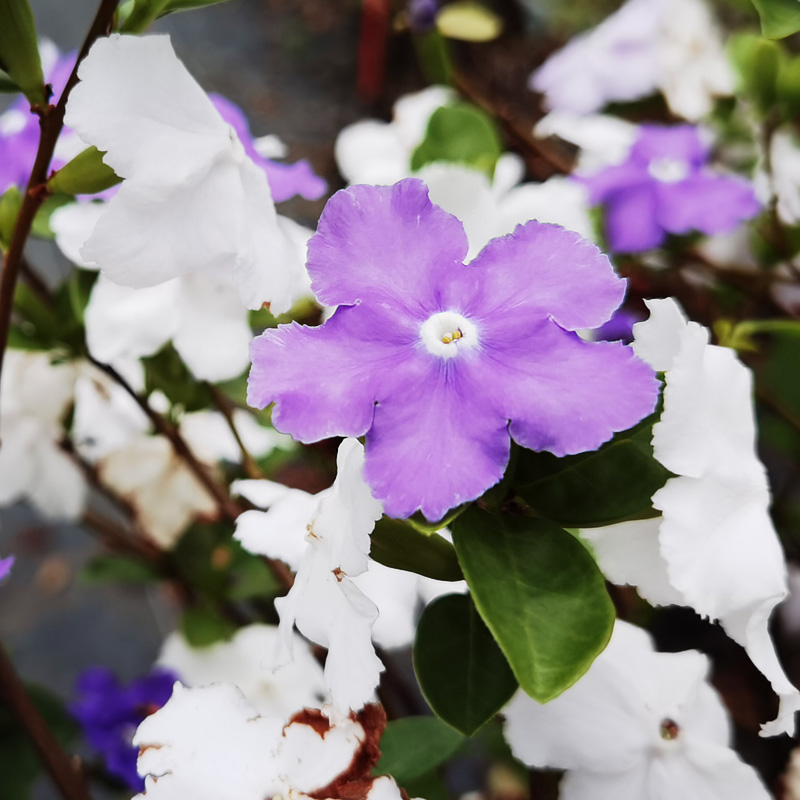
[(673, 46), (639, 725), (244, 662), (785, 163), (715, 548), (191, 201), (34, 398)]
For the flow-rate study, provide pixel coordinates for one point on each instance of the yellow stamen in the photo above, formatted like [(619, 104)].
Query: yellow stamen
[(457, 335), (451, 337)]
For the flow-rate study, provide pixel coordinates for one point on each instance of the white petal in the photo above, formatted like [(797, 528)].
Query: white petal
[(630, 784), (384, 788), (658, 339), (138, 104), (208, 744), (35, 386), (72, 225), (628, 553), (412, 113), (59, 487), (371, 152), (245, 662)]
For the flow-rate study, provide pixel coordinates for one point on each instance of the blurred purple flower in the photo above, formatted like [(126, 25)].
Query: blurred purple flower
[(110, 713), (421, 15), (665, 186), (431, 358), (619, 328), (285, 180), (19, 130), (5, 566)]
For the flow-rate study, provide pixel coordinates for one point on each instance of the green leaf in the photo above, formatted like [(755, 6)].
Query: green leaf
[(413, 746), (433, 54), (601, 487), (41, 222), (144, 12), (202, 627), (166, 372), (7, 86), (758, 63), (87, 173), (10, 204), (789, 88), (252, 577), (50, 326), (114, 567), (462, 672), (779, 18), (541, 595), (19, 49), (398, 545), (468, 21), (15, 747), (460, 134)]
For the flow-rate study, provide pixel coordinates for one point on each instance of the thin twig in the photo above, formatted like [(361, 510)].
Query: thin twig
[(51, 122), (64, 770), (226, 407)]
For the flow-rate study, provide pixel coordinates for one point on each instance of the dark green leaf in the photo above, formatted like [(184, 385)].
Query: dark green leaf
[(462, 672), (779, 18), (460, 134), (15, 747), (430, 786), (541, 595), (202, 627), (412, 746), (758, 63), (433, 54), (252, 578), (10, 204), (19, 49), (144, 12), (7, 86), (122, 569), (789, 88), (87, 173), (398, 545), (166, 372), (601, 487)]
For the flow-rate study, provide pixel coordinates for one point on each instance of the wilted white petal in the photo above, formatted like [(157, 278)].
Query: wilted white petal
[(246, 661)]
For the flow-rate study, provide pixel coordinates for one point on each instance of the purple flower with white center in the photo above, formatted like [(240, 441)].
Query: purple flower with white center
[(665, 186), (19, 130), (5, 566), (440, 363), (110, 713), (285, 180)]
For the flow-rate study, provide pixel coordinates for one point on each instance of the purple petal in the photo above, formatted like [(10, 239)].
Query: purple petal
[(566, 395), (631, 220), (384, 244), (611, 180), (707, 203), (547, 271), (436, 444), (619, 328), (679, 142), (18, 146), (325, 381), (5, 566)]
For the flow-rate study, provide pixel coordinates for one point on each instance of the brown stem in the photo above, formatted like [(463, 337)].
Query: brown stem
[(226, 407), (51, 122), (64, 771)]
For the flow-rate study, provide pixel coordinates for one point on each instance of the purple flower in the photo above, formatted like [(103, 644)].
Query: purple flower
[(665, 186), (285, 180), (110, 713), (619, 328), (19, 130), (5, 566), (422, 15), (432, 359)]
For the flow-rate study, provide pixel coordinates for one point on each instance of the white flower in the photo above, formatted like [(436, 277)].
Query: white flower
[(669, 45), (211, 744), (191, 200), (243, 661), (34, 398), (715, 548), (785, 163), (639, 725)]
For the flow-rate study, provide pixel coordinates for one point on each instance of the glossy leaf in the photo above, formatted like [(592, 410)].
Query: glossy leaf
[(398, 545), (462, 672), (19, 49), (468, 21), (413, 746), (601, 487), (461, 134), (541, 595), (779, 18), (85, 174)]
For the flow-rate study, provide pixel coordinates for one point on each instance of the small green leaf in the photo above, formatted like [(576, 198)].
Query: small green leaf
[(396, 544), (462, 672), (85, 174), (468, 21), (758, 63), (601, 487), (460, 134), (41, 222), (143, 13), (433, 54), (202, 627), (19, 49), (10, 204), (779, 18), (541, 595), (413, 746), (122, 569)]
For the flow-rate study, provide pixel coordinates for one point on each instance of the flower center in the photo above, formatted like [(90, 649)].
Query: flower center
[(668, 170), (445, 333), (669, 730)]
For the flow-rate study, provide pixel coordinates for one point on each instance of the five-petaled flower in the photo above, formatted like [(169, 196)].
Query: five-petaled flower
[(441, 363)]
